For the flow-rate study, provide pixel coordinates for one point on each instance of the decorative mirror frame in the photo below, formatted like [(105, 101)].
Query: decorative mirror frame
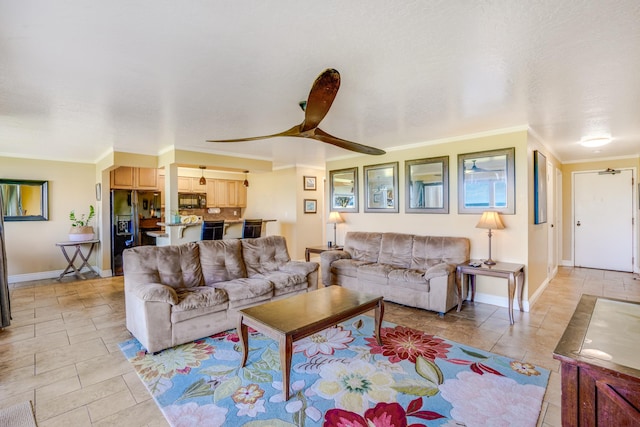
[(338, 203), (444, 161), (377, 199), (508, 179), (44, 200)]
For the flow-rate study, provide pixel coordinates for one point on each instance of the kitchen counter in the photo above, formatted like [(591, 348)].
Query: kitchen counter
[(187, 233)]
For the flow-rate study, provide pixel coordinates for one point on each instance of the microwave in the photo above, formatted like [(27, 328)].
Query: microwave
[(192, 200)]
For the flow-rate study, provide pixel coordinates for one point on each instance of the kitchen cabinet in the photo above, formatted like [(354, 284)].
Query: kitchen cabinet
[(161, 183), (187, 184), (225, 193), (129, 178)]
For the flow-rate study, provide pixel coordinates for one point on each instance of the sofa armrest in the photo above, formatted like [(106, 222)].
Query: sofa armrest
[(326, 259), (155, 292), (439, 270), (300, 267)]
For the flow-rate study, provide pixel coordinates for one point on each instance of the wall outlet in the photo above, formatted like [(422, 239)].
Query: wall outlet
[(235, 213)]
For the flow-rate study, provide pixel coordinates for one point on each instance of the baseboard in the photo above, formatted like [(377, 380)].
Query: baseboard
[(54, 274)]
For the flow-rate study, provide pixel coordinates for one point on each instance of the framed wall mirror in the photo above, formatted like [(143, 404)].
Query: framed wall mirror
[(24, 200), (344, 190), (381, 188), (427, 185), (486, 181)]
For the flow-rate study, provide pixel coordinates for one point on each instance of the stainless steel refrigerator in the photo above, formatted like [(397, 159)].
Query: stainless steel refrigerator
[(128, 207)]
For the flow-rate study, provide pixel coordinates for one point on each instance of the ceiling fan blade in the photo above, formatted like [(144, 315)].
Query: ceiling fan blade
[(323, 92), (321, 135), (294, 131)]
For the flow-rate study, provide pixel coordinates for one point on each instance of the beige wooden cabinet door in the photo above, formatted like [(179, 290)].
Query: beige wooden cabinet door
[(242, 195), (222, 193), (145, 178), (196, 187), (122, 177), (211, 193), (184, 184), (161, 188)]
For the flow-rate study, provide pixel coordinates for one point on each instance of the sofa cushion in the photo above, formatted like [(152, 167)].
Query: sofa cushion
[(177, 266), (408, 278), (432, 250), (396, 249), (264, 254), (197, 301), (246, 289), (284, 282), (374, 273), (221, 260), (347, 267), (154, 292), (300, 267), (363, 246)]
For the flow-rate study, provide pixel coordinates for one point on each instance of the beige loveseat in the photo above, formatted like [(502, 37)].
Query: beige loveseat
[(418, 271), (175, 294)]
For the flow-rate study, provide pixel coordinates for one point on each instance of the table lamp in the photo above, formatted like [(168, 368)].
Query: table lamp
[(334, 218), (491, 221)]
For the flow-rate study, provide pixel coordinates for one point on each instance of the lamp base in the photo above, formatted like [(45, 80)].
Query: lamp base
[(489, 262)]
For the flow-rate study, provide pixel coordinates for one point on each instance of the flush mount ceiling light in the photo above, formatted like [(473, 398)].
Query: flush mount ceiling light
[(595, 142)]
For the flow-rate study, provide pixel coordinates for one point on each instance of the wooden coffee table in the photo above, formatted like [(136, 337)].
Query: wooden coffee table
[(291, 319)]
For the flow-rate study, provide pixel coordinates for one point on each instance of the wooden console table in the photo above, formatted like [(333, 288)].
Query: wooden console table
[(71, 268), (600, 367), (514, 273)]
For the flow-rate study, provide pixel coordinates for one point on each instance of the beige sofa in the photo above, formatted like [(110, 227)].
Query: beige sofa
[(175, 294), (418, 271)]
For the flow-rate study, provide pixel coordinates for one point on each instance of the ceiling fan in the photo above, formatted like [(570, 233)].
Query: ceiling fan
[(323, 92)]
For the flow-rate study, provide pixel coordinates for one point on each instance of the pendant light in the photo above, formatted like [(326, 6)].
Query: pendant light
[(203, 180), (246, 181)]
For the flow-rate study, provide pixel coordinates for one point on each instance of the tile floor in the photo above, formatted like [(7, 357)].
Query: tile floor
[(61, 351)]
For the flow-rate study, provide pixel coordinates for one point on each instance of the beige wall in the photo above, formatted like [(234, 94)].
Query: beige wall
[(509, 245), (537, 270), (567, 198), (31, 245), (279, 195)]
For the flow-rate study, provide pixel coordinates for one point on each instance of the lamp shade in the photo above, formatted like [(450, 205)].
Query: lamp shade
[(335, 218), (490, 220)]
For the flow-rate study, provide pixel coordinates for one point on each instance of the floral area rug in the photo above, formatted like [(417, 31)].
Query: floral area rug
[(341, 377)]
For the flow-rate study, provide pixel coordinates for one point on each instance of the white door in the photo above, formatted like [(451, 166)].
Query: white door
[(603, 220)]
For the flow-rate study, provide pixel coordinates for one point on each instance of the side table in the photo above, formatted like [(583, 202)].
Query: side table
[(514, 273), (71, 268), (319, 250)]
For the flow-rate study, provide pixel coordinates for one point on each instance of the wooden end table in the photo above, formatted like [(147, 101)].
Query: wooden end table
[(291, 319), (318, 250), (514, 273)]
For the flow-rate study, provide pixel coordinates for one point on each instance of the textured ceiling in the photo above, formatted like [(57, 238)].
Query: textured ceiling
[(79, 78)]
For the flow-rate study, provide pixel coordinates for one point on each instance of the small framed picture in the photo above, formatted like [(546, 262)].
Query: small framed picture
[(310, 206), (309, 183)]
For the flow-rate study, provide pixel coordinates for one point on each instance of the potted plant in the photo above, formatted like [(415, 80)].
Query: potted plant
[(80, 228)]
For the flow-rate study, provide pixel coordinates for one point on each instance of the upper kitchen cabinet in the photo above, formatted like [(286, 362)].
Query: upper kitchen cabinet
[(187, 184), (223, 193), (129, 178)]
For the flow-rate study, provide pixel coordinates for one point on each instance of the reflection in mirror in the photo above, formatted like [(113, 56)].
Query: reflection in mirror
[(381, 185), (24, 200), (344, 190), (487, 181), (427, 185)]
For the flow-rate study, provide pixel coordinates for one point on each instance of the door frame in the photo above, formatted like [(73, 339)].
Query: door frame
[(634, 216)]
